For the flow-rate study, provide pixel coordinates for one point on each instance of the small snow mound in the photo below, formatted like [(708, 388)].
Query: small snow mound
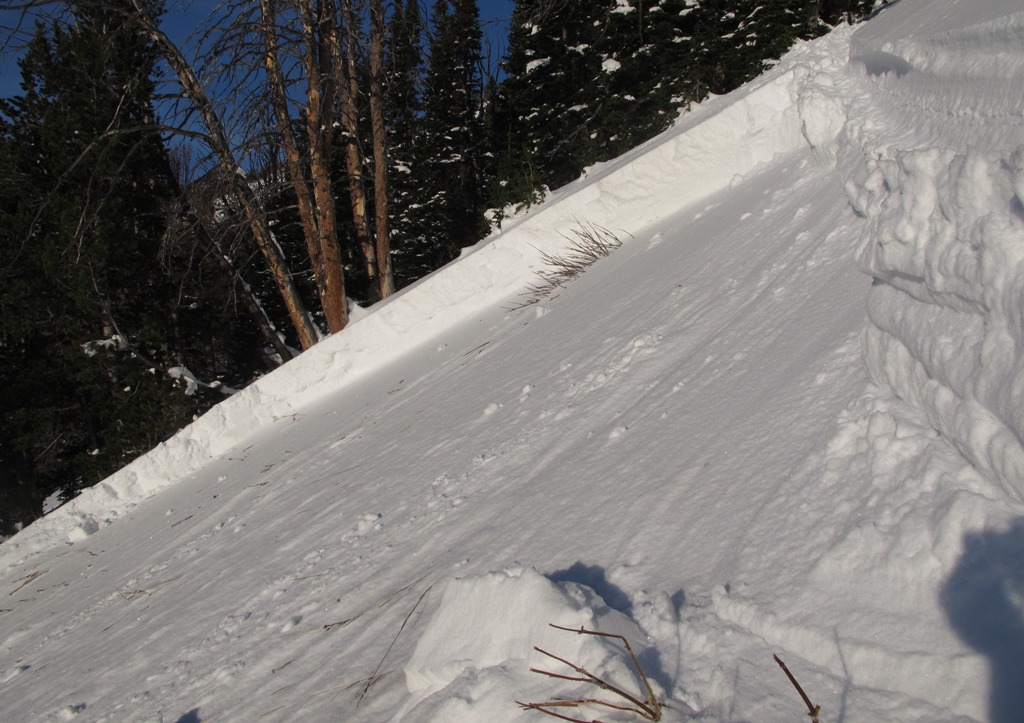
[(68, 712), (610, 65), (822, 111), (473, 660), (355, 311)]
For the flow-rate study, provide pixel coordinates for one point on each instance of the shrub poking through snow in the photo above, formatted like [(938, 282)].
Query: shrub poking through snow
[(588, 243), (812, 710), (649, 709)]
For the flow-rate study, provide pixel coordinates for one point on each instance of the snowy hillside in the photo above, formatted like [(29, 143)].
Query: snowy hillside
[(786, 416)]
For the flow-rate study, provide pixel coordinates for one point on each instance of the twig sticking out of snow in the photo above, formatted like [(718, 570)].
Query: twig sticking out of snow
[(375, 677), (27, 580), (649, 709), (812, 710)]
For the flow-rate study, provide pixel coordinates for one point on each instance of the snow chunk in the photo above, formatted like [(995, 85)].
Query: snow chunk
[(479, 646), (191, 383), (539, 63), (355, 311), (114, 343), (610, 65), (822, 112)]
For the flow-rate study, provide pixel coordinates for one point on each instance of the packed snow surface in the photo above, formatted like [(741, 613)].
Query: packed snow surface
[(785, 417)]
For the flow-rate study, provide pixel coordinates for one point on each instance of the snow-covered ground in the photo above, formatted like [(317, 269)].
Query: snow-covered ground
[(724, 441)]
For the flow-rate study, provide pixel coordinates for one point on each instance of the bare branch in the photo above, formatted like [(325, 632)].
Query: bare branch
[(649, 709), (233, 173), (812, 710)]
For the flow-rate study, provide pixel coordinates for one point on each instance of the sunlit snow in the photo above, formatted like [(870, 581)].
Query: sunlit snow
[(785, 417)]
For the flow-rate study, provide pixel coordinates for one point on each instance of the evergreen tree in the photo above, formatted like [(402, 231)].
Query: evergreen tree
[(833, 12), (667, 57), (589, 79), (723, 45), (586, 81), (648, 64), (404, 108), (451, 144), (90, 321), (552, 103)]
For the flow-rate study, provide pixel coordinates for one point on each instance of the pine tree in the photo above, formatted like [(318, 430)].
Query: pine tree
[(404, 107), (589, 79), (666, 58), (554, 89), (89, 320), (832, 12), (647, 59), (451, 144)]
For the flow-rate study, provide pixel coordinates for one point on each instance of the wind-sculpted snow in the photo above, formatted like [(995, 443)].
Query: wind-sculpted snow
[(785, 416), (935, 164)]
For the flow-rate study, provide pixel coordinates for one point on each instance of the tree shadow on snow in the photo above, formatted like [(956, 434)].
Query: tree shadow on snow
[(984, 600), (191, 717)]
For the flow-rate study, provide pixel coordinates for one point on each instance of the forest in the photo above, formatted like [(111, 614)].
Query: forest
[(177, 221)]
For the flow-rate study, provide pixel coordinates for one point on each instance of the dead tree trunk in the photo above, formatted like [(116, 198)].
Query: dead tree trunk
[(318, 66), (233, 176), (385, 277), (317, 213), (344, 52)]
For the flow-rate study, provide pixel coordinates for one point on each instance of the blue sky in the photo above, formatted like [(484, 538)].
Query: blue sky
[(184, 16)]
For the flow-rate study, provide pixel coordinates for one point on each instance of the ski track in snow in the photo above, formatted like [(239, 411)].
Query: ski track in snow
[(784, 417)]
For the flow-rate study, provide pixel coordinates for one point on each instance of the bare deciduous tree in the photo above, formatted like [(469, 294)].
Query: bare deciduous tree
[(385, 278), (233, 174), (343, 45), (316, 206), (267, 56)]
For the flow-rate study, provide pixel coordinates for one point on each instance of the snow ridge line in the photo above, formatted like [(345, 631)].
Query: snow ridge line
[(684, 165)]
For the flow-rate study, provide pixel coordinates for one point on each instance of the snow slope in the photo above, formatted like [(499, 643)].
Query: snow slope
[(724, 441)]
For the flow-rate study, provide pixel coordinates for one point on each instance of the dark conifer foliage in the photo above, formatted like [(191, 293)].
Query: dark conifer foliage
[(451, 143), (589, 79), (832, 12), (553, 62), (95, 313), (403, 97)]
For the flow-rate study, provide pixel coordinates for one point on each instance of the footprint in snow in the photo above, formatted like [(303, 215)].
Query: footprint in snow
[(446, 495)]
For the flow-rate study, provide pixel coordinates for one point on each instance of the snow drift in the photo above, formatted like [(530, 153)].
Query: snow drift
[(945, 238)]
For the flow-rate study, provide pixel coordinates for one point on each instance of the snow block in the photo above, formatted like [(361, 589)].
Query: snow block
[(473, 660)]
